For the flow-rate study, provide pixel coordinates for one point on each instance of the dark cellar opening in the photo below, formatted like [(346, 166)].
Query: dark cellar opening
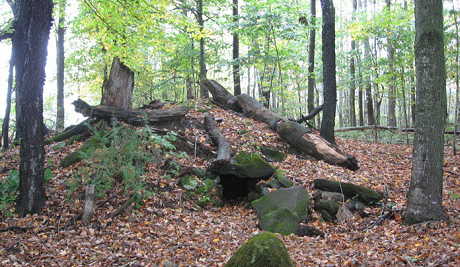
[(234, 187)]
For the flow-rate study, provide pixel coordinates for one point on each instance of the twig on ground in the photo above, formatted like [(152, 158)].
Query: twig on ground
[(381, 218), (16, 227)]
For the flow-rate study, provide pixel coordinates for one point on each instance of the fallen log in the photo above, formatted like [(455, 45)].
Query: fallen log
[(131, 116), (224, 150), (78, 129), (350, 190), (293, 133)]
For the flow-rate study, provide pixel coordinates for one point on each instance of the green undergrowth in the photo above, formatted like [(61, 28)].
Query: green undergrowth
[(118, 157)]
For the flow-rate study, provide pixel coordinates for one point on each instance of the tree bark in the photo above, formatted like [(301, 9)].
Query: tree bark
[(424, 198), (329, 72), (60, 117), (118, 91), (293, 133), (30, 40)]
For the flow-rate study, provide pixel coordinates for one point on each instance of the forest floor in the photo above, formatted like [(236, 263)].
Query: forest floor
[(170, 226)]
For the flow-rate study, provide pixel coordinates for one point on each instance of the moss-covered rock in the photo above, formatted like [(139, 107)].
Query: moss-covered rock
[(250, 165), (328, 205), (295, 198), (189, 182), (272, 154), (262, 250), (283, 220), (245, 165), (284, 181)]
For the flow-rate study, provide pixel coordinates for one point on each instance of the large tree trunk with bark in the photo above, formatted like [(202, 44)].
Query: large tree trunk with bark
[(30, 40), (424, 199), (293, 133), (118, 91)]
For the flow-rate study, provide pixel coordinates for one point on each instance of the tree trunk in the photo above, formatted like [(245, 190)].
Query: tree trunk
[(118, 91), (203, 91), (293, 133), (311, 59), (391, 85), (457, 87), (236, 52), (30, 40), (6, 120), (329, 79), (60, 117), (360, 95), (352, 115), (424, 198)]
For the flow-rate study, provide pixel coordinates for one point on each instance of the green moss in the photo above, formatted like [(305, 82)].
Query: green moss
[(189, 182), (262, 250)]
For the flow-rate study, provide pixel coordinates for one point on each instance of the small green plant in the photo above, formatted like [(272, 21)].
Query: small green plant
[(8, 191), (453, 195)]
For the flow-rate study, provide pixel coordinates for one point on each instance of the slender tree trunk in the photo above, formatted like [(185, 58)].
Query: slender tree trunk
[(424, 198), (60, 117), (329, 72), (6, 120), (360, 94), (311, 59), (352, 115), (369, 101), (236, 52), (30, 40), (391, 87), (456, 86), (203, 92)]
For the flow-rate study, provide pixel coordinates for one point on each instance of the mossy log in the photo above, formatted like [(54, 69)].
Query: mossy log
[(350, 190), (73, 157), (293, 133), (78, 129), (131, 116)]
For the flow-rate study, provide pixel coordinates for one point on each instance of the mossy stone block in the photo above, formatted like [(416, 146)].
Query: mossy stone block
[(295, 198), (279, 175), (283, 220)]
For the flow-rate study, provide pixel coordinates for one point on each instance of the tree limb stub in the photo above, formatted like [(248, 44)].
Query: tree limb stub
[(293, 133), (131, 116)]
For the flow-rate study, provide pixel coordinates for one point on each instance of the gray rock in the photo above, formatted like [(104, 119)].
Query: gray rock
[(283, 220), (294, 198)]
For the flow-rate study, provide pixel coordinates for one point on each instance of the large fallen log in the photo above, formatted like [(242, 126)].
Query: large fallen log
[(131, 116), (293, 133)]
